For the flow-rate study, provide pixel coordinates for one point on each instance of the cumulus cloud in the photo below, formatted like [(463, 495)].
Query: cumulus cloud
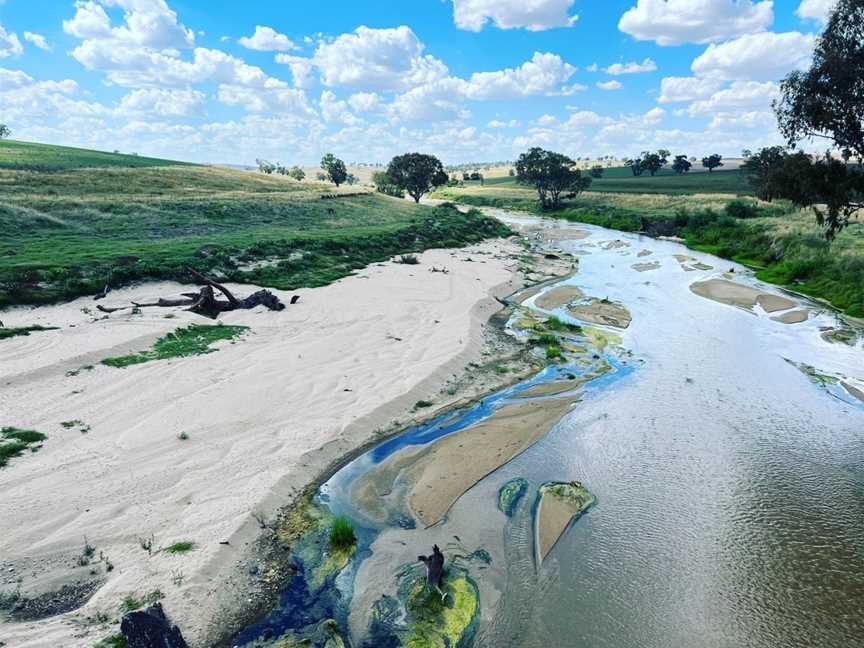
[(756, 57), (38, 40), (365, 102), (497, 123), (335, 110), (439, 100), (817, 10), (288, 102), (163, 102), (9, 44), (673, 22), (543, 74), (147, 23), (673, 89), (741, 96), (267, 39), (609, 85), (533, 15), (369, 60), (631, 68)]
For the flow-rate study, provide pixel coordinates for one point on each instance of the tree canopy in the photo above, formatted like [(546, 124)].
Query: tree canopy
[(416, 173), (712, 161), (681, 164), (550, 174), (334, 168), (5, 131), (825, 102)]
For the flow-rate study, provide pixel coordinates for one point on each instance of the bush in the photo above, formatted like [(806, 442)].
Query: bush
[(408, 259), (342, 534), (741, 209)]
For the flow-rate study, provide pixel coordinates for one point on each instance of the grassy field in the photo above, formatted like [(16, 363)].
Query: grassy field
[(67, 232), (27, 155), (782, 243), (622, 180)]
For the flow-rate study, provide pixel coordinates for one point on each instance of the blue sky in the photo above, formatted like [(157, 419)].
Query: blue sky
[(468, 80)]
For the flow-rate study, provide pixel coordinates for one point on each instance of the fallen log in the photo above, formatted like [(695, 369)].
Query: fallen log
[(205, 302)]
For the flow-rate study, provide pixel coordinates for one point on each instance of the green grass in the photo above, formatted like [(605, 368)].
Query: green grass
[(342, 534), (184, 546), (622, 180), (15, 441), (68, 232), (553, 352), (112, 641), (132, 602), (6, 333), (194, 339), (28, 155)]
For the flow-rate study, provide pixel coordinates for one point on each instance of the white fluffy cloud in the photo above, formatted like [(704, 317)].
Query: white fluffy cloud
[(631, 68), (609, 85), (817, 10), (267, 39), (674, 89), (369, 60), (741, 96), (756, 57), (543, 74), (533, 15), (287, 102), (38, 40), (147, 23), (365, 102), (440, 100), (9, 44), (163, 102), (673, 22)]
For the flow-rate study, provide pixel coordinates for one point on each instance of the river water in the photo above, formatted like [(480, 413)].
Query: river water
[(729, 485)]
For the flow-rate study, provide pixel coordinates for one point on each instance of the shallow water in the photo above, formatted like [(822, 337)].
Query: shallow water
[(730, 487)]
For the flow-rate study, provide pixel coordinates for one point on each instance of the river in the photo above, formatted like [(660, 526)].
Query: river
[(729, 483)]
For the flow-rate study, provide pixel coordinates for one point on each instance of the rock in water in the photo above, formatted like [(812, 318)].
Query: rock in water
[(558, 504), (150, 628)]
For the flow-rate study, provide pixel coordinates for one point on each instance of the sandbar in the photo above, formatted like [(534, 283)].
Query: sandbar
[(558, 296)]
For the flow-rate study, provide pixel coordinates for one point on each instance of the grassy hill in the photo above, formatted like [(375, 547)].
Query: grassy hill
[(28, 155), (68, 231)]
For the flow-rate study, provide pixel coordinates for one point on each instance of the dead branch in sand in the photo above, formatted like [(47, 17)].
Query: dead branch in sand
[(205, 301)]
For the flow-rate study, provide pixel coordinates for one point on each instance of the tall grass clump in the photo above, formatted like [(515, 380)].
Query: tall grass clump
[(342, 534)]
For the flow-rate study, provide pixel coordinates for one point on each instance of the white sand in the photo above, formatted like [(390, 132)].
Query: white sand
[(349, 358)]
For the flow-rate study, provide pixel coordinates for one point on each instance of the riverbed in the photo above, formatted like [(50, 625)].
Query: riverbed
[(725, 450)]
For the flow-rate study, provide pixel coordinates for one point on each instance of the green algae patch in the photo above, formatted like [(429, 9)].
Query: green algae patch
[(192, 340), (6, 333), (14, 442), (433, 622), (600, 339), (558, 504), (510, 494)]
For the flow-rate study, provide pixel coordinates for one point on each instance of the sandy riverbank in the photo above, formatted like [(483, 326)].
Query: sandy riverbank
[(264, 417)]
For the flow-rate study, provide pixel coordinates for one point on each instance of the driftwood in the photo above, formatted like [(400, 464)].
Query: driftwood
[(150, 628), (206, 303), (434, 569)]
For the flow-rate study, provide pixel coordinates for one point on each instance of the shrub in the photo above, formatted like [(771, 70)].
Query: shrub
[(342, 534), (552, 352), (408, 259), (741, 209), (420, 404)]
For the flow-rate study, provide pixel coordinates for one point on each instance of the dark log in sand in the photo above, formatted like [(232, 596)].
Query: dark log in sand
[(205, 302)]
